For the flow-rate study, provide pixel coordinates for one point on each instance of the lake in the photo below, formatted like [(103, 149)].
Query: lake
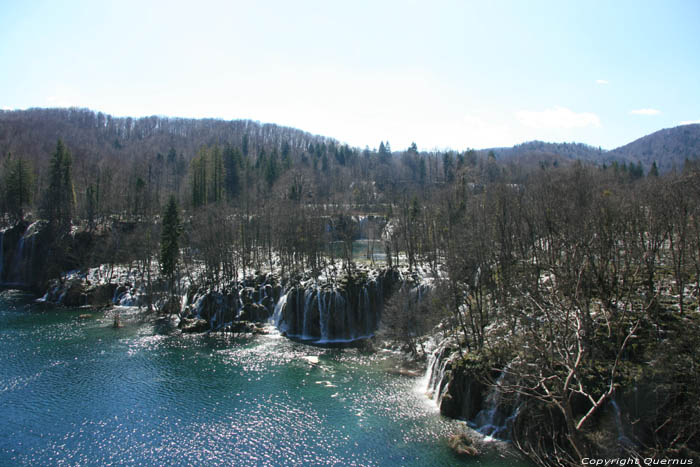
[(76, 391)]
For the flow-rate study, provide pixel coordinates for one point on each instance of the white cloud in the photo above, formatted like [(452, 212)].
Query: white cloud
[(59, 101), (689, 122), (645, 112), (602, 82), (66, 96), (557, 118), (485, 130)]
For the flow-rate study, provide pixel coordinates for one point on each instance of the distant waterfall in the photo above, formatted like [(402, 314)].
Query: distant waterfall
[(328, 314), (16, 266), (333, 312), (2, 253), (222, 306)]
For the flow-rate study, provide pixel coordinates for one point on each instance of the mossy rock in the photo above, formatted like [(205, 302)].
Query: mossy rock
[(193, 325), (462, 445)]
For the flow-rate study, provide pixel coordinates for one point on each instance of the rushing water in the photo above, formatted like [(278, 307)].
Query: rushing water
[(76, 391)]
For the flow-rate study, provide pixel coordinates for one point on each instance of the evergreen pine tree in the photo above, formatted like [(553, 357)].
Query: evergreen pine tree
[(59, 198), (198, 174), (232, 163), (654, 171), (244, 145), (18, 180), (215, 190), (91, 204), (169, 241)]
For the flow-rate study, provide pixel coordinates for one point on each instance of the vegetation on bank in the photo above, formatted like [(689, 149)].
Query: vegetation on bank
[(580, 282)]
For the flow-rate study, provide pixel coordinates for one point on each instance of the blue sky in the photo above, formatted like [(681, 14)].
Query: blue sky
[(459, 74)]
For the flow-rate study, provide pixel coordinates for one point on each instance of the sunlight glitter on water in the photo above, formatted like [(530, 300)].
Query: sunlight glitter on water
[(77, 391)]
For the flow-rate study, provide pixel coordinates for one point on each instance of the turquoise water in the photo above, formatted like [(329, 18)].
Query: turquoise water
[(362, 250), (75, 391)]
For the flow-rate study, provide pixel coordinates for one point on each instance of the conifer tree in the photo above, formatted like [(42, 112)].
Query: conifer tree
[(17, 180), (215, 191), (232, 163), (244, 145), (198, 173), (654, 171), (91, 200), (169, 241), (59, 198)]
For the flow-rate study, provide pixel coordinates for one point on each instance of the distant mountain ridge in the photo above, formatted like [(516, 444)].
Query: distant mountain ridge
[(669, 148), (36, 130)]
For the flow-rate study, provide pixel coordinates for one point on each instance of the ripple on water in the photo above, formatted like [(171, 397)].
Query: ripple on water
[(79, 392)]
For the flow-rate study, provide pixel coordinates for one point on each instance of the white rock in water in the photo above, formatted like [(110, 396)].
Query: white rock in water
[(311, 359)]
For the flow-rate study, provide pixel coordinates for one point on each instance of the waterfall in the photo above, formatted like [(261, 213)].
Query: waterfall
[(19, 271), (324, 314), (183, 304), (326, 311), (2, 255), (277, 315), (309, 295), (368, 325), (16, 273), (437, 372), (497, 416), (621, 437), (490, 420)]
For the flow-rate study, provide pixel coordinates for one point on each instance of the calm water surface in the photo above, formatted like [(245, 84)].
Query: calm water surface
[(75, 391)]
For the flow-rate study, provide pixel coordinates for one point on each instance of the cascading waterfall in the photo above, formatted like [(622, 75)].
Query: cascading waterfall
[(437, 372), (277, 314), (17, 270), (496, 417), (492, 420), (331, 312), (2, 253), (323, 312), (621, 437)]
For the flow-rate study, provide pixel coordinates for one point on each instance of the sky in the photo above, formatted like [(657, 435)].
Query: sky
[(443, 74)]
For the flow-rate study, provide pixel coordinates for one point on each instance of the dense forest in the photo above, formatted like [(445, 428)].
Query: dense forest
[(569, 283)]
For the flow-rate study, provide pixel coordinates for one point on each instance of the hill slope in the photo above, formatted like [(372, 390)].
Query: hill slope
[(668, 147), (35, 131)]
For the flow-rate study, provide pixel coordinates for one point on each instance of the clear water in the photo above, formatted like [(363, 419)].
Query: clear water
[(362, 250), (76, 391)]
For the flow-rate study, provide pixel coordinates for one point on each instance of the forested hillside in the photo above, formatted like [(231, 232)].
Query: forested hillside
[(670, 148), (130, 166)]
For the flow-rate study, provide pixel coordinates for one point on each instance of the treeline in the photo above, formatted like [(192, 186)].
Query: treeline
[(129, 168)]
